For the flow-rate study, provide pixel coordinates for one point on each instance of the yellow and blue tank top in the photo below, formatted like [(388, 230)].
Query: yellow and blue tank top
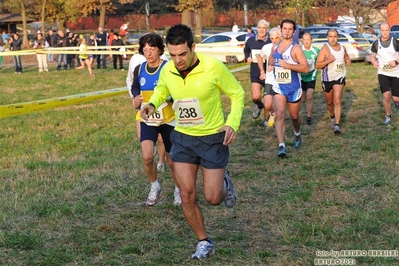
[(148, 81)]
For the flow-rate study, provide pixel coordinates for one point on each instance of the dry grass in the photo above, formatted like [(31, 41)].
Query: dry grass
[(73, 188)]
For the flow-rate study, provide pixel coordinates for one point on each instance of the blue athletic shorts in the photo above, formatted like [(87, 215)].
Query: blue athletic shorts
[(207, 151), (151, 133), (308, 85)]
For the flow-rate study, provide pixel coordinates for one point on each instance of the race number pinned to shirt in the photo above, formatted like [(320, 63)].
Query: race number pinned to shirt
[(283, 75), (312, 64), (157, 117), (188, 112), (386, 67), (254, 55), (339, 66)]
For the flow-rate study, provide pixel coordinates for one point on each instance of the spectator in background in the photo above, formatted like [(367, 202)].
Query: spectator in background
[(51, 41), (71, 57), (61, 42), (235, 27), (7, 44), (91, 42), (117, 42), (1, 50), (4, 37), (110, 38), (41, 43), (101, 41), (16, 44), (250, 33), (123, 30)]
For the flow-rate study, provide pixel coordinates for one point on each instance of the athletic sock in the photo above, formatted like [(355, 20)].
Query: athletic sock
[(282, 144), (205, 239), (155, 184)]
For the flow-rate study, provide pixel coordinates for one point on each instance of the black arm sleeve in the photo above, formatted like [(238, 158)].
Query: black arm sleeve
[(135, 89), (374, 47), (396, 44)]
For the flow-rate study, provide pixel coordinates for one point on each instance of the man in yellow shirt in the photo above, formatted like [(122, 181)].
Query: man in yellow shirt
[(201, 135)]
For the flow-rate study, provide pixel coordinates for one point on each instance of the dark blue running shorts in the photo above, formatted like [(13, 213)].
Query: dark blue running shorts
[(151, 133), (207, 151)]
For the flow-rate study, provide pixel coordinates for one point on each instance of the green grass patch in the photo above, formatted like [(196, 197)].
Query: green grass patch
[(73, 186)]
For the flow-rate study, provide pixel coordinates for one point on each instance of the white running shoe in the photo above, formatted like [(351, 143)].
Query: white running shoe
[(204, 250), (153, 196), (177, 198)]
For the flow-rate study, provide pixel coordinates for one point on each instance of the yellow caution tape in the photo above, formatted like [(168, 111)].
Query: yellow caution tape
[(41, 105), (35, 106), (74, 50)]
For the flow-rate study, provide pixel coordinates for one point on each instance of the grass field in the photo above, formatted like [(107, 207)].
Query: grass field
[(73, 189)]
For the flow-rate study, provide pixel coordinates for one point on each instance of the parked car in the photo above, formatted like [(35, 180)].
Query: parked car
[(395, 31), (370, 37), (314, 28), (356, 45), (225, 46), (132, 39)]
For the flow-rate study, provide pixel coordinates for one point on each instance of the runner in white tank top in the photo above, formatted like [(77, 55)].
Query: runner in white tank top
[(386, 48), (332, 59), (268, 76)]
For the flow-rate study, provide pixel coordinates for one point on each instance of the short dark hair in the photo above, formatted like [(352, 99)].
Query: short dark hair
[(180, 34), (153, 40), (287, 20), (330, 30)]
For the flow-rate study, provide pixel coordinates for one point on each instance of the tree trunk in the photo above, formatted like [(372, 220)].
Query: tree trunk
[(198, 25), (186, 17), (102, 16), (43, 16), (61, 24), (25, 41), (245, 14), (147, 15)]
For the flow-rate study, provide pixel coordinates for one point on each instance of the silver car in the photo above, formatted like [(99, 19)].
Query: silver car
[(226, 46), (356, 45)]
